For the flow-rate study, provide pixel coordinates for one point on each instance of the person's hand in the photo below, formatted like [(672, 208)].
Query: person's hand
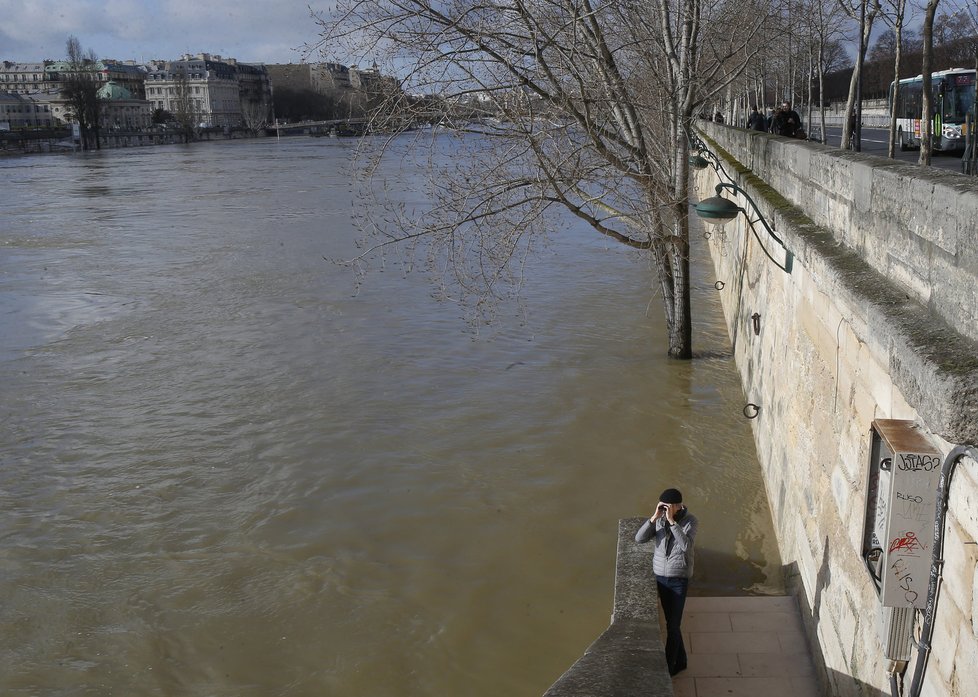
[(661, 510), (669, 515)]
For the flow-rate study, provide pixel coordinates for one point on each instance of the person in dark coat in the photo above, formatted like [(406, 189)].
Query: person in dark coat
[(786, 121), (756, 121)]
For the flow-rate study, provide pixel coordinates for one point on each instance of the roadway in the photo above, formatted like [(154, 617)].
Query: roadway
[(874, 142)]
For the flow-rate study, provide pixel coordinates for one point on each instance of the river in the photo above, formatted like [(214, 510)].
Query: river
[(228, 469)]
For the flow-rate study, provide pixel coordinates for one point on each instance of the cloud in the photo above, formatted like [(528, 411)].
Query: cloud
[(269, 32)]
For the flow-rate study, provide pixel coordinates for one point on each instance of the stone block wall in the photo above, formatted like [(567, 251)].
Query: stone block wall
[(877, 319)]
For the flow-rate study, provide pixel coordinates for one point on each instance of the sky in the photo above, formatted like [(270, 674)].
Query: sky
[(272, 31)]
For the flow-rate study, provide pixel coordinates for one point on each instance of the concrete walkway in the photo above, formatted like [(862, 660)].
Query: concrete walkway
[(745, 646)]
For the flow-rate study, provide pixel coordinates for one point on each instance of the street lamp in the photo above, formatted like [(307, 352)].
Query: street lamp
[(701, 157), (720, 211), (717, 210), (697, 161)]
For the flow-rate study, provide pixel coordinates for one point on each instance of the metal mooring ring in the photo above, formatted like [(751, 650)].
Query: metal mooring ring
[(751, 410), (719, 285)]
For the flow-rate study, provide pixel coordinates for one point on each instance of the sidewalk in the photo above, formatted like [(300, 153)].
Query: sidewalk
[(745, 647)]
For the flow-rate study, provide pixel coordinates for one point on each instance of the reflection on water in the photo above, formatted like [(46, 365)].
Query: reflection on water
[(225, 472)]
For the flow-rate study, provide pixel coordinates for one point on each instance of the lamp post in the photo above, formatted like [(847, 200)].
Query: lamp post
[(720, 211)]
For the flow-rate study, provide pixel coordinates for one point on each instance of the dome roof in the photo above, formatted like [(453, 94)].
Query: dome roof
[(112, 90)]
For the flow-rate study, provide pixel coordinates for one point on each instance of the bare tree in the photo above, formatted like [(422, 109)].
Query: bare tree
[(80, 92), (894, 14), (926, 109), (255, 115), (592, 106), (187, 110), (864, 12), (956, 35), (825, 27)]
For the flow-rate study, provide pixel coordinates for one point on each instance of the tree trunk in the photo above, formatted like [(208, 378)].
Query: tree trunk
[(811, 71), (821, 88), (679, 315), (891, 148), (681, 329), (866, 28), (926, 108)]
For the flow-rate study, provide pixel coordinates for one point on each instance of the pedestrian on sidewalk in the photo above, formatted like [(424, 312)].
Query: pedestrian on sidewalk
[(786, 121), (755, 121), (672, 527)]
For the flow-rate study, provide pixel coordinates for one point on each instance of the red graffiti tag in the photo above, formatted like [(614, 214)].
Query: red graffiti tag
[(908, 543)]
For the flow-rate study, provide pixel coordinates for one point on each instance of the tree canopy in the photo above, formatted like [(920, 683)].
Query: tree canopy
[(585, 105), (80, 88)]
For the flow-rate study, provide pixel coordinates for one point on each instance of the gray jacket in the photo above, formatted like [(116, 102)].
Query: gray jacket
[(673, 553)]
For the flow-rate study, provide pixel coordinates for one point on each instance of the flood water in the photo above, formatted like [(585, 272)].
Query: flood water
[(227, 471)]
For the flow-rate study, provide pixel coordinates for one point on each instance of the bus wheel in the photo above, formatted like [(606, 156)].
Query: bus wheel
[(903, 143)]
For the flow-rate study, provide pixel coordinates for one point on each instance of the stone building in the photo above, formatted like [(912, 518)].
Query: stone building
[(371, 81), (254, 93), (321, 78), (216, 91), (23, 78), (19, 111), (127, 74), (123, 111), (119, 109)]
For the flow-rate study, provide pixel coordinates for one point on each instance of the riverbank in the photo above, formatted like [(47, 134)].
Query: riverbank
[(60, 142)]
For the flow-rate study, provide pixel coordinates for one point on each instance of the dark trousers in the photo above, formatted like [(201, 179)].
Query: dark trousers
[(672, 595)]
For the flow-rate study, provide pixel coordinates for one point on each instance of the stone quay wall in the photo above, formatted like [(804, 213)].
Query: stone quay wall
[(878, 318)]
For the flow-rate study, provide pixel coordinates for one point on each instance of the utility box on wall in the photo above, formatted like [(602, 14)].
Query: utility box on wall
[(898, 537)]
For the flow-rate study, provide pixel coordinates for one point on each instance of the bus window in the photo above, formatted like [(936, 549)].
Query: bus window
[(962, 93), (960, 97), (911, 97)]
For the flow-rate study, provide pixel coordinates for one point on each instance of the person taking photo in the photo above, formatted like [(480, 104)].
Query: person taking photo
[(672, 528)]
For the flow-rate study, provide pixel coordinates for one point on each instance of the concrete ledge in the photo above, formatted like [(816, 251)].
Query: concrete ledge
[(628, 658)]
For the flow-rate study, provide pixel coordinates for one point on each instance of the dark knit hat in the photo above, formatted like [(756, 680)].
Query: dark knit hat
[(671, 496)]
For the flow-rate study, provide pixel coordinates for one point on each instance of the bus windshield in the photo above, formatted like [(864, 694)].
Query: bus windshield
[(959, 96)]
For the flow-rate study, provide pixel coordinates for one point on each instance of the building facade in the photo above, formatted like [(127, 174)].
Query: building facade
[(127, 74), (23, 78), (19, 111), (321, 78), (212, 91), (120, 110)]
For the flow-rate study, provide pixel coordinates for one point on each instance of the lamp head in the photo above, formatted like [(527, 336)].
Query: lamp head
[(698, 162), (717, 209)]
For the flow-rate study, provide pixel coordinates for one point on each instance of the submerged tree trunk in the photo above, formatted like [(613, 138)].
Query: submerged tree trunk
[(681, 330)]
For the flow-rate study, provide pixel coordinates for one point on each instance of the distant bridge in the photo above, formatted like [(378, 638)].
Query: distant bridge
[(351, 126), (354, 126)]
